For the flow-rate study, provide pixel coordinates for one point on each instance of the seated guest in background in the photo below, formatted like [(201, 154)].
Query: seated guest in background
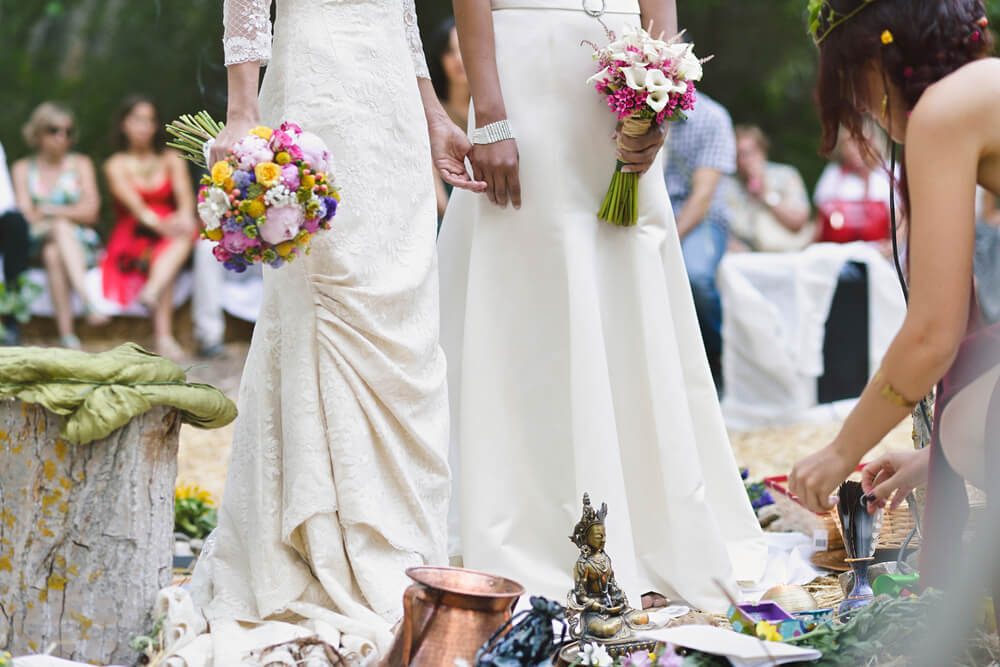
[(56, 190), (701, 151), (768, 202), (444, 61), (155, 226), (13, 247)]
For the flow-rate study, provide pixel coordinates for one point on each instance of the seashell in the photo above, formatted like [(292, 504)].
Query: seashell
[(792, 599)]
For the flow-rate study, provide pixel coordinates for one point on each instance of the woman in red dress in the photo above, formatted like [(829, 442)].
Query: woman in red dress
[(155, 225)]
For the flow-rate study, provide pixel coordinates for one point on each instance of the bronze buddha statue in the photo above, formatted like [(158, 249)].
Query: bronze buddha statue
[(604, 614)]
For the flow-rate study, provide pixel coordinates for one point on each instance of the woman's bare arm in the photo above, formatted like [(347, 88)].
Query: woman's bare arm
[(661, 16), (497, 164)]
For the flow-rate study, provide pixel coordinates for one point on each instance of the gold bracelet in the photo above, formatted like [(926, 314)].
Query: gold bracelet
[(889, 393)]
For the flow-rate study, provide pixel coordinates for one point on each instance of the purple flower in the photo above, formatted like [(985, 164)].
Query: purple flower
[(234, 264), (744, 472), (638, 659), (331, 206), (230, 225), (243, 178), (277, 262)]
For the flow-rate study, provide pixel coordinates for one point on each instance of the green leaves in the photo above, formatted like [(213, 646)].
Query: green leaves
[(194, 517)]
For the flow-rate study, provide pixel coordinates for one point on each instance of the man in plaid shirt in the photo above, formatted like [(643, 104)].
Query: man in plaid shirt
[(701, 150)]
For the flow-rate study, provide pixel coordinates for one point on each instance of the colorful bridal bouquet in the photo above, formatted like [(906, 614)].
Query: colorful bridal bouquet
[(644, 81), (266, 199)]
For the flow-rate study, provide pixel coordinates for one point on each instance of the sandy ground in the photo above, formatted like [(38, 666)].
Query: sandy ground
[(204, 455)]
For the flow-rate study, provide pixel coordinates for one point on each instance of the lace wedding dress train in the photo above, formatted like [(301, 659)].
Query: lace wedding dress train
[(338, 480)]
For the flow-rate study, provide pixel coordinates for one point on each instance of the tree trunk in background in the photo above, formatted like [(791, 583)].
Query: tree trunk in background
[(86, 533)]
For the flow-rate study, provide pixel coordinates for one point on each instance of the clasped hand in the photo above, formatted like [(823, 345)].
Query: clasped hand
[(498, 164)]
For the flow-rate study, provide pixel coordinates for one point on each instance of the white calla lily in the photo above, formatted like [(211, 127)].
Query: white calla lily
[(660, 87), (689, 68), (601, 77), (635, 77)]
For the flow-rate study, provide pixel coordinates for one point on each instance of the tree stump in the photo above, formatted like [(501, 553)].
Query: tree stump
[(86, 533)]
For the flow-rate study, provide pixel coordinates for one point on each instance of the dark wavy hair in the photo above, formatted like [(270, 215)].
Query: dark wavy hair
[(118, 138), (437, 46), (930, 40)]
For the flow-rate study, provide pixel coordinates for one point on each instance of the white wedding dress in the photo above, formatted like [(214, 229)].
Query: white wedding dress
[(338, 480), (575, 359)]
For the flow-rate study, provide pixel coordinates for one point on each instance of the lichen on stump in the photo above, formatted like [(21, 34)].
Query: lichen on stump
[(86, 533)]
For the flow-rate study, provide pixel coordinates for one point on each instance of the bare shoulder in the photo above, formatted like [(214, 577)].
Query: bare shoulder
[(961, 102)]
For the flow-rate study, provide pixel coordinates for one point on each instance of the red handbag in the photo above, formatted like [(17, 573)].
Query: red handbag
[(844, 221)]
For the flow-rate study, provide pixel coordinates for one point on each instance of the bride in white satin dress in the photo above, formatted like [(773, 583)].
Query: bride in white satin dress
[(575, 361), (339, 478)]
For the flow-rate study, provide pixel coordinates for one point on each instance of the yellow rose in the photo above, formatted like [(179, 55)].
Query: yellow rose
[(284, 248), (214, 234), (268, 174), (255, 208), (283, 158), (262, 132), (221, 170), (309, 181)]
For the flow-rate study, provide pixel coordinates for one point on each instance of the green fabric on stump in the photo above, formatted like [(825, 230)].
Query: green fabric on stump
[(98, 393)]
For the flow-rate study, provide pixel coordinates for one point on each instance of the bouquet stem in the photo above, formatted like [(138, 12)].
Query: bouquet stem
[(191, 133), (620, 205)]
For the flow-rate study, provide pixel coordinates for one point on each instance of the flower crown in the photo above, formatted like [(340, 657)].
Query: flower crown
[(820, 12)]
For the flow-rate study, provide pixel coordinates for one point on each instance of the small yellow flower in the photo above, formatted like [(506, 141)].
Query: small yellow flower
[(221, 170), (254, 208), (262, 132), (767, 632), (309, 181), (268, 174), (887, 37), (303, 238), (283, 158), (283, 249), (214, 234), (229, 184), (336, 195)]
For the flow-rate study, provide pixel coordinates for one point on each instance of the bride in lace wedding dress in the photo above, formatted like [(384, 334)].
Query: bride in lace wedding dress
[(338, 480)]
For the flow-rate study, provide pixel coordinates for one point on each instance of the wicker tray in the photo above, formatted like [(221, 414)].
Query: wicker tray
[(896, 525)]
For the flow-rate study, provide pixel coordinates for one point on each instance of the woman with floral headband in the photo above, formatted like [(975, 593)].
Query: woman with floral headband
[(921, 69)]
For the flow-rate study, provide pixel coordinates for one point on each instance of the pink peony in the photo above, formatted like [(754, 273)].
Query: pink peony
[(290, 177), (250, 151), (315, 152), (312, 226), (295, 152), (237, 242), (282, 224), (291, 128), (221, 253)]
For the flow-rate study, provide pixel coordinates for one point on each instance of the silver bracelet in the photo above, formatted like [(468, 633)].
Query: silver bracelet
[(492, 133)]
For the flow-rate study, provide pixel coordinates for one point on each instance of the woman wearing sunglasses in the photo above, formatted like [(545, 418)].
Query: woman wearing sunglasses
[(57, 192)]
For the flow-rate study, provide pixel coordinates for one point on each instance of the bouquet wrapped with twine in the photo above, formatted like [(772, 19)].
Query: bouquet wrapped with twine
[(644, 81)]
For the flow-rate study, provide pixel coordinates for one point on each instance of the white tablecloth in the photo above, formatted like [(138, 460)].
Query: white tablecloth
[(774, 312)]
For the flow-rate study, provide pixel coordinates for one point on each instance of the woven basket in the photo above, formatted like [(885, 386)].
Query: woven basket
[(896, 525)]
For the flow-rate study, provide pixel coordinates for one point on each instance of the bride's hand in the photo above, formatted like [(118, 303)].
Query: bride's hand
[(234, 130), (497, 164), (449, 148), (639, 153), (896, 471)]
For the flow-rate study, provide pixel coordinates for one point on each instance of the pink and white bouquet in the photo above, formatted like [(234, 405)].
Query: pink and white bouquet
[(267, 198), (644, 81)]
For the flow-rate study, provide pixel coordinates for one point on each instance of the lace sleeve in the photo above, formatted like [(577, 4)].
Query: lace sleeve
[(247, 35), (413, 37)]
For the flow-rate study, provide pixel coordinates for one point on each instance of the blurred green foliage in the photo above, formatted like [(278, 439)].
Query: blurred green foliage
[(89, 54)]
